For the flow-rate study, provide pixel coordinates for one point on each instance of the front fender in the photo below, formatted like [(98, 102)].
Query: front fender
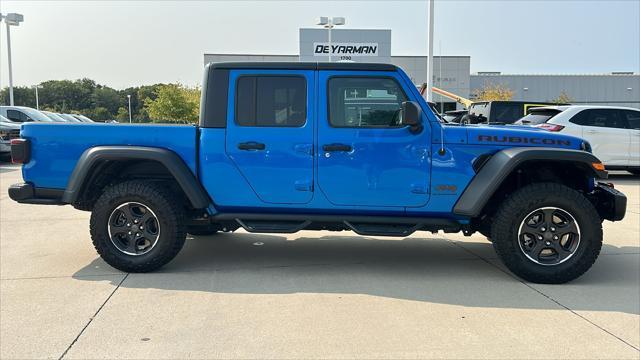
[(504, 162)]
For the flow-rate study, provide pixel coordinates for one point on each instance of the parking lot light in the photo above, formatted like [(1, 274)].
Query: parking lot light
[(37, 101), (11, 19), (328, 23), (129, 97)]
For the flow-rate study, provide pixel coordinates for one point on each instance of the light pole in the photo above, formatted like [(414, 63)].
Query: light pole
[(430, 56), (37, 102), (11, 19), (328, 23), (129, 97)]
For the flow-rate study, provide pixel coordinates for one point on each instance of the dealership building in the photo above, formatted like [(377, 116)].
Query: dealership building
[(452, 73)]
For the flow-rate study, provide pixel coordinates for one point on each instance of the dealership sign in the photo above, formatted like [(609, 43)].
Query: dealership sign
[(356, 45), (345, 49)]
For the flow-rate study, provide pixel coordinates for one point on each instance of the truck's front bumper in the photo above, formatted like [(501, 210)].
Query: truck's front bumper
[(610, 203), (26, 193)]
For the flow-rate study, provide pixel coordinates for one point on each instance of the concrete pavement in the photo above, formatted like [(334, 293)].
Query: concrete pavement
[(306, 295)]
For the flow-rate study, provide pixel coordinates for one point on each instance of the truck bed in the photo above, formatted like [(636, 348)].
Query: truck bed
[(56, 147)]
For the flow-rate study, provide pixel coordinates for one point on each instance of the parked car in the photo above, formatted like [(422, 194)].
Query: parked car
[(54, 116), (613, 132), (352, 146), (69, 118), (20, 114), (82, 118), (454, 116), (501, 112), (8, 130)]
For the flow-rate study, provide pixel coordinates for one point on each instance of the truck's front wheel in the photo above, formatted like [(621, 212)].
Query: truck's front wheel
[(547, 233), (136, 227)]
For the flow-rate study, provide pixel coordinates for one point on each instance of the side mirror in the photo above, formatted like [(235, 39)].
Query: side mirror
[(411, 116)]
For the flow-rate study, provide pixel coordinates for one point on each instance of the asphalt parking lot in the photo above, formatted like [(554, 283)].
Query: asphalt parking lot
[(306, 295)]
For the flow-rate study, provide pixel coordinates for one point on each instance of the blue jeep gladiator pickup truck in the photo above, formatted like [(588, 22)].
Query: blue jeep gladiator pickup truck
[(283, 147)]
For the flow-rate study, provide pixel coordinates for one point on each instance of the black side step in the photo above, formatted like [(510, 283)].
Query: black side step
[(376, 229), (362, 225), (272, 226)]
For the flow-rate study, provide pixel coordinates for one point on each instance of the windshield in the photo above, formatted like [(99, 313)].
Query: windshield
[(84, 118), (36, 115), (537, 117), (54, 117), (68, 117)]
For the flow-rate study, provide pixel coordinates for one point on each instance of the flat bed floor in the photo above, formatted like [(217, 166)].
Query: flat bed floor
[(306, 295)]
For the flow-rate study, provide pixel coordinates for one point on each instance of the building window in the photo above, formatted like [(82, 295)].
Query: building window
[(271, 101)]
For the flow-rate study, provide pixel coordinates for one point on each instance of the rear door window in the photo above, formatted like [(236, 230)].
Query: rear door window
[(632, 118), (607, 118), (271, 101)]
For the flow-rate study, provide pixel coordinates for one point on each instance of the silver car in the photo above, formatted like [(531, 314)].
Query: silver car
[(8, 130)]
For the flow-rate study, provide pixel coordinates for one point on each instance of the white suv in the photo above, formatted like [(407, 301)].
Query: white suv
[(614, 132)]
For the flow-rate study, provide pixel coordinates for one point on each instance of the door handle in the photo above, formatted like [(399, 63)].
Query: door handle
[(592, 131), (251, 145), (337, 147)]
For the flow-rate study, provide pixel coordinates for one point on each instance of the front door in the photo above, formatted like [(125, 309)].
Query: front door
[(270, 132), (365, 156)]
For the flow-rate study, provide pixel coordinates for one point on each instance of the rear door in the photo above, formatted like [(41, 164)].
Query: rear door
[(270, 132), (608, 134), (365, 157)]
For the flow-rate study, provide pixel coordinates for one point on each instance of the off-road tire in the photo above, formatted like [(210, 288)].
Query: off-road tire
[(171, 220), (520, 204)]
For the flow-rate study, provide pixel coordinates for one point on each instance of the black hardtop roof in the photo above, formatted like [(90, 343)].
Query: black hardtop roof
[(295, 65)]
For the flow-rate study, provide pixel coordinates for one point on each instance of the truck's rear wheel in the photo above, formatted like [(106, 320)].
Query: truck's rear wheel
[(135, 226), (547, 233)]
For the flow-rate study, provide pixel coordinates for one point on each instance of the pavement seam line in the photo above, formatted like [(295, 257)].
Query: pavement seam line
[(546, 296), (93, 317)]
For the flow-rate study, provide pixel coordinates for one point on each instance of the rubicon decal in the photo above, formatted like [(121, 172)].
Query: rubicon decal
[(522, 140), (352, 49)]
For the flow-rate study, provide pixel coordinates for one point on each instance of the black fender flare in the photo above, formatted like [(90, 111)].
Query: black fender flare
[(501, 164), (176, 166)]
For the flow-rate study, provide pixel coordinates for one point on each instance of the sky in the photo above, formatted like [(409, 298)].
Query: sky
[(131, 43)]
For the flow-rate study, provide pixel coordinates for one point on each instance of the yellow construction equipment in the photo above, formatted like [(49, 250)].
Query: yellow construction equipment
[(459, 99)]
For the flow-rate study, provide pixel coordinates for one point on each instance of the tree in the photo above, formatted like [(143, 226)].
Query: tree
[(563, 98), (174, 103), (107, 98), (123, 114), (99, 102), (100, 114), (22, 96), (492, 92)]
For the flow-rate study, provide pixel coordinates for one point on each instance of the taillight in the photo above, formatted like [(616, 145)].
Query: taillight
[(20, 151), (550, 127)]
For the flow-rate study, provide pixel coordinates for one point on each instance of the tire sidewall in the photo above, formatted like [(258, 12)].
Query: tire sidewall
[(166, 241), (590, 236)]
